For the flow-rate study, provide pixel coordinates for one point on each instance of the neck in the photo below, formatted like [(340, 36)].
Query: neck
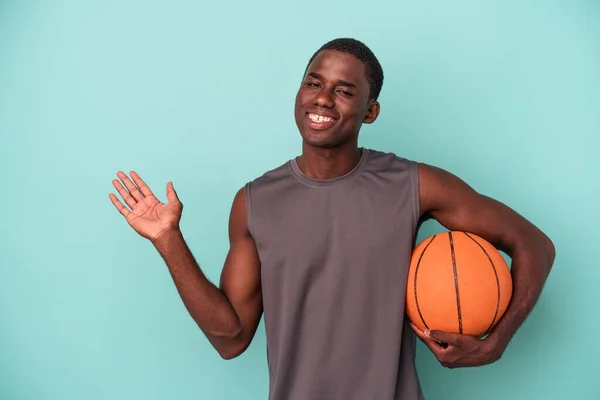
[(332, 163)]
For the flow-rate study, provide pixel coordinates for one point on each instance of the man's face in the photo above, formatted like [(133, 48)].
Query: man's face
[(333, 100)]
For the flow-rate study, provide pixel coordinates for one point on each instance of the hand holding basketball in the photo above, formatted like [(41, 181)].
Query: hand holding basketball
[(146, 214), (459, 287), (454, 350)]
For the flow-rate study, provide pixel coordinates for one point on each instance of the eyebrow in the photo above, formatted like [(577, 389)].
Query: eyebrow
[(339, 81)]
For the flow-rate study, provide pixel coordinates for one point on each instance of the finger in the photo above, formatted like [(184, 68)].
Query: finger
[(171, 193), (134, 190), (416, 329), (141, 184), (122, 209), (435, 348), (130, 201), (420, 334), (446, 337)]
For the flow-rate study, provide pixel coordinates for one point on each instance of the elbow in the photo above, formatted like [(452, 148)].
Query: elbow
[(230, 345), (538, 248), (232, 351), (229, 355), (546, 251), (550, 251)]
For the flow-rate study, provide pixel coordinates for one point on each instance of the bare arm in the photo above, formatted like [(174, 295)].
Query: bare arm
[(456, 206), (228, 315)]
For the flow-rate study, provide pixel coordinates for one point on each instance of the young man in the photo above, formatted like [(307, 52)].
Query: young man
[(322, 246)]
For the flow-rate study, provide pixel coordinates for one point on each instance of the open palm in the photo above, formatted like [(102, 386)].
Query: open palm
[(146, 214)]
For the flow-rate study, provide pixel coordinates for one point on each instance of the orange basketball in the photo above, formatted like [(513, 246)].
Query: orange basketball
[(457, 282)]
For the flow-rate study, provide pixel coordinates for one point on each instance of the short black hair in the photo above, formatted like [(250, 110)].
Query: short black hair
[(359, 50)]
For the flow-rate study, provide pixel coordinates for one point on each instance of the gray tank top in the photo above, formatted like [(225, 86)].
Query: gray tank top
[(334, 262)]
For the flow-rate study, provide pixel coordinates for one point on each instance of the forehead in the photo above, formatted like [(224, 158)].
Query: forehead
[(336, 65)]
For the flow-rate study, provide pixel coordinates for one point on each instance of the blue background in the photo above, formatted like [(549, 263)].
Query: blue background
[(505, 94)]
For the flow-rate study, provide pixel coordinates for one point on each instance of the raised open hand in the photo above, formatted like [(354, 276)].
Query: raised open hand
[(146, 215)]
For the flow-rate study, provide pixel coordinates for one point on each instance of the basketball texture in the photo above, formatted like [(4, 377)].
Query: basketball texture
[(457, 282)]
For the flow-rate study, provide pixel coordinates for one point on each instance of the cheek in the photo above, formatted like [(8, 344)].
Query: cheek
[(355, 114), (303, 93), (301, 101), (297, 100), (362, 112)]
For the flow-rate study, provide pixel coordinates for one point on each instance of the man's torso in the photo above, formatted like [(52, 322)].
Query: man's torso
[(334, 259)]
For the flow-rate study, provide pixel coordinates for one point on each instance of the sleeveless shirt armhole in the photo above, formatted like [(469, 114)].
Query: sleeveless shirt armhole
[(248, 207), (416, 194)]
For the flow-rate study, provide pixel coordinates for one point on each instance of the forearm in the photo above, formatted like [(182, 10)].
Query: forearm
[(531, 264), (206, 303)]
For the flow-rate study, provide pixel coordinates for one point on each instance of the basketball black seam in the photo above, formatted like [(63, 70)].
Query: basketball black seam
[(460, 329), (415, 281), (497, 282)]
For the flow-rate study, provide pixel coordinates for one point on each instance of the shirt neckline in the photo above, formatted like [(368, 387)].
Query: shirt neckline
[(293, 164)]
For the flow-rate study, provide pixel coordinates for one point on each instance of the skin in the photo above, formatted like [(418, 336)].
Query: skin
[(335, 85)]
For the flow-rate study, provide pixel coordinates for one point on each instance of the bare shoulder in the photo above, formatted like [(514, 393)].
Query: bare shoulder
[(458, 206), (441, 190), (238, 222)]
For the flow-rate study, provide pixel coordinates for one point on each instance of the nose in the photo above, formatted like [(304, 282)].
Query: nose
[(325, 98)]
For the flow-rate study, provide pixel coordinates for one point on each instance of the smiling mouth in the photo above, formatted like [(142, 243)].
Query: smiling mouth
[(320, 122)]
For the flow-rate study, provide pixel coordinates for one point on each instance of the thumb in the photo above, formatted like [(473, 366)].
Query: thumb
[(171, 193)]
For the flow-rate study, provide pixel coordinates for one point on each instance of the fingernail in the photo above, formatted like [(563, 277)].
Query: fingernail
[(427, 332)]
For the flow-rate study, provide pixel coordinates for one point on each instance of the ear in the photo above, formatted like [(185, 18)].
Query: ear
[(372, 112)]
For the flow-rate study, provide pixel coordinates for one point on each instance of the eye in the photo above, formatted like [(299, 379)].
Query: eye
[(345, 93), (312, 84)]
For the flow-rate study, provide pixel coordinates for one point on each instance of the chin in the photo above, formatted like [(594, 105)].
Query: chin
[(319, 139)]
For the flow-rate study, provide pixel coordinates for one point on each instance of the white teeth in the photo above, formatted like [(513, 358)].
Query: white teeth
[(319, 118)]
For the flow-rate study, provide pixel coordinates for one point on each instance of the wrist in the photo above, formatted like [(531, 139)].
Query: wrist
[(167, 235)]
